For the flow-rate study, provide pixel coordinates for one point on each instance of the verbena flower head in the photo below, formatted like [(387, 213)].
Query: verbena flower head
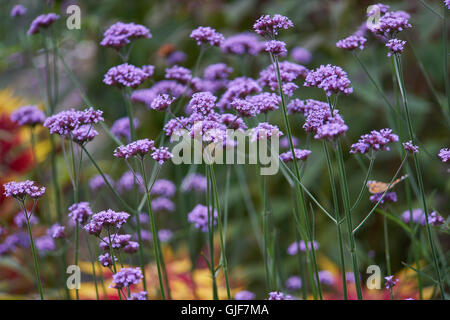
[(20, 219), (121, 127), (165, 235), (299, 155), (180, 74), (326, 277), (289, 72), (170, 87), (307, 106), (352, 42), (125, 277), (120, 34), (57, 231), (276, 295), (243, 43), (332, 79), (395, 46), (409, 147), (294, 283), (238, 88), (80, 212), (391, 23), (163, 187), (264, 130), (106, 260), (83, 134), (435, 219), (301, 55), (162, 204), (418, 216), (199, 217), (244, 108), (125, 75), (118, 241), (285, 144), (447, 4), (375, 140), (275, 47), (106, 219), (97, 182), (148, 69), (65, 122), (194, 182), (128, 181), (217, 71), (265, 102), (444, 154), (295, 246), (389, 197), (390, 282), (138, 296), (269, 26), (162, 155), (162, 102), (136, 148), (45, 244), (19, 190), (28, 116), (333, 128), (18, 10), (42, 21), (207, 35), (232, 121), (202, 103), (176, 57), (244, 295)]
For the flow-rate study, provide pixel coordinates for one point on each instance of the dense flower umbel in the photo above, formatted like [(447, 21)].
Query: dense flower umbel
[(118, 241), (28, 115), (97, 182), (135, 148), (57, 231), (127, 182), (332, 79), (244, 108), (294, 283), (120, 34), (162, 155), (106, 260), (388, 197), (264, 130), (244, 295), (84, 134), (138, 296), (299, 155), (232, 121), (202, 103), (20, 190), (149, 70), (199, 217), (194, 182), (207, 35), (80, 212), (295, 246), (162, 102), (146, 96), (164, 188), (106, 219), (162, 204), (409, 147), (243, 43), (435, 219), (121, 127), (390, 282), (269, 26), (275, 47), (125, 75), (64, 122), (301, 55), (289, 72), (18, 10), (217, 71), (375, 140), (444, 154), (180, 74), (265, 102), (238, 88), (125, 277), (395, 46), (20, 219), (275, 295), (42, 21), (418, 216), (307, 106), (333, 128), (391, 23), (352, 42), (447, 3)]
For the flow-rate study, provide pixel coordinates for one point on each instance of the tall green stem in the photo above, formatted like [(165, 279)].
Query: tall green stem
[(210, 206), (387, 252)]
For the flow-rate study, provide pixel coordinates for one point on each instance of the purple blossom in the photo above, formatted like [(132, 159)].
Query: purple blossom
[(390, 282), (149, 70), (275, 47), (418, 216), (45, 244), (202, 103), (352, 42), (42, 21), (163, 187), (395, 46), (332, 79), (57, 231), (264, 130), (83, 134), (244, 295), (162, 102), (285, 144), (299, 155), (120, 34), (165, 235), (20, 219), (301, 55), (162, 155), (332, 129), (20, 190), (180, 74), (80, 212), (207, 35), (138, 296), (106, 219), (170, 87), (269, 26), (444, 154), (126, 277), (162, 204), (106, 260), (118, 241), (97, 182), (435, 219), (232, 121), (447, 4), (391, 23), (326, 277), (243, 43), (289, 72), (127, 182), (276, 295), (409, 147), (295, 246), (17, 11), (389, 197), (125, 75), (176, 57), (239, 88), (136, 148), (64, 122), (307, 106), (265, 102), (194, 182), (199, 217), (28, 115), (294, 283), (375, 140), (244, 108), (121, 128), (218, 71)]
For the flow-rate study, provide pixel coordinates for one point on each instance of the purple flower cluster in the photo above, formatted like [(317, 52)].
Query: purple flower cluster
[(162, 102), (162, 155), (435, 219), (447, 4), (243, 43), (285, 143), (42, 21), (295, 246), (127, 182), (444, 154), (20, 190), (121, 128), (180, 74), (409, 147), (389, 197), (163, 188), (106, 219), (106, 260), (57, 231), (395, 46), (199, 217), (125, 75), (176, 57), (375, 140), (119, 241), (162, 204), (45, 244), (306, 106), (202, 103), (265, 102), (418, 216), (332, 79), (80, 212), (264, 130), (20, 219), (269, 26), (276, 295), (244, 295), (126, 277), (17, 11), (28, 115), (207, 35), (84, 134), (120, 34), (301, 55), (294, 283), (390, 282), (138, 296), (244, 108), (194, 182), (299, 155), (326, 277), (275, 47), (136, 148), (289, 72), (392, 22), (352, 42), (238, 88), (97, 182)]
